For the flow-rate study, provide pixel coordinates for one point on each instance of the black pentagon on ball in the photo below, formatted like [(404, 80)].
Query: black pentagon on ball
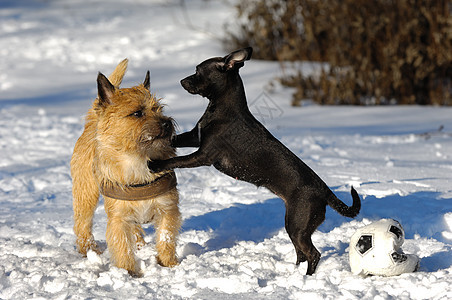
[(398, 233), (398, 257), (364, 244)]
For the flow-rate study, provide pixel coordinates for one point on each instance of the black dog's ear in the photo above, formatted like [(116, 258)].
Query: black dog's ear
[(147, 81), (236, 59), (105, 90)]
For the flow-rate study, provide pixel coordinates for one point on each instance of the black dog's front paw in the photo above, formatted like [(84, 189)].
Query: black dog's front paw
[(156, 166)]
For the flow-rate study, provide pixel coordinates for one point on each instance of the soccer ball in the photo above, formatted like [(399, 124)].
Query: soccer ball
[(375, 250)]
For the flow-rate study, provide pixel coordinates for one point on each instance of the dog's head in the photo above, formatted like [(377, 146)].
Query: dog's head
[(131, 121), (211, 75)]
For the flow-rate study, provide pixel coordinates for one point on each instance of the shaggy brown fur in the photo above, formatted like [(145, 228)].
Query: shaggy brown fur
[(124, 129)]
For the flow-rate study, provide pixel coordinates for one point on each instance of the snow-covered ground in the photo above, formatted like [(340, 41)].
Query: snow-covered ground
[(233, 244)]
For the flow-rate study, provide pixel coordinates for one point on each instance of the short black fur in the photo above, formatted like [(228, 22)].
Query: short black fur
[(232, 140)]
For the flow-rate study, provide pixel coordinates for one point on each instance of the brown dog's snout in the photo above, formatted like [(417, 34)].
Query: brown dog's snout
[(167, 127)]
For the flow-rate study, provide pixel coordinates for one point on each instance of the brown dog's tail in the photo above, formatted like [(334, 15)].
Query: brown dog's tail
[(118, 74), (342, 208)]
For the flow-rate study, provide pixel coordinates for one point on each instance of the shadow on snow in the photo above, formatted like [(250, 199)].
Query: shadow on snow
[(417, 212)]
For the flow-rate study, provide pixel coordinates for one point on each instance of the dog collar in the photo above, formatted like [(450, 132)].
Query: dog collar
[(144, 191)]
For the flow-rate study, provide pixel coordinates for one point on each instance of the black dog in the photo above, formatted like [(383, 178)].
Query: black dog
[(232, 140)]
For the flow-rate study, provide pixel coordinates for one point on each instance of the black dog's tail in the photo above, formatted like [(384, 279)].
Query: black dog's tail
[(342, 208)]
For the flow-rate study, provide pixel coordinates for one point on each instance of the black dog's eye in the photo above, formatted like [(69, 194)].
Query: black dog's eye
[(138, 114)]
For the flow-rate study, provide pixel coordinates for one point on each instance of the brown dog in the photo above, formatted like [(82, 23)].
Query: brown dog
[(124, 129)]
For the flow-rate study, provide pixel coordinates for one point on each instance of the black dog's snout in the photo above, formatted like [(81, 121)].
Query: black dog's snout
[(184, 83), (187, 84)]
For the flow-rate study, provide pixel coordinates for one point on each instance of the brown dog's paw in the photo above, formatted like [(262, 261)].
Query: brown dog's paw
[(168, 261), (135, 274), (83, 246)]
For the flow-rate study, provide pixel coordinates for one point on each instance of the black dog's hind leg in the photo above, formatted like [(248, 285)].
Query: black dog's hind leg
[(301, 222)]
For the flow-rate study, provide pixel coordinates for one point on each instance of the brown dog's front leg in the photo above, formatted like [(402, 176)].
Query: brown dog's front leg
[(193, 160)]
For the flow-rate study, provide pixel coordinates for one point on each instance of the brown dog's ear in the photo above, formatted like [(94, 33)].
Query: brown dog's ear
[(236, 59), (105, 90), (147, 81)]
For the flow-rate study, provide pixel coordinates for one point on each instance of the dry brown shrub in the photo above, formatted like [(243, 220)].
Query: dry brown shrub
[(378, 52)]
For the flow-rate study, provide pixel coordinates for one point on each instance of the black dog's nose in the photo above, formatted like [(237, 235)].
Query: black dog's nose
[(184, 83), (189, 85)]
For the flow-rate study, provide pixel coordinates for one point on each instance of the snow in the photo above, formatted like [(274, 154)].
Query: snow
[(233, 244)]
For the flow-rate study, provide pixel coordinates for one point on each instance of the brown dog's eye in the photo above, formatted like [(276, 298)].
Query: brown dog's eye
[(138, 114)]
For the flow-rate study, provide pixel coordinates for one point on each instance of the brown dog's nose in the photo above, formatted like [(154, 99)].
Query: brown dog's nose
[(167, 127), (167, 124)]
